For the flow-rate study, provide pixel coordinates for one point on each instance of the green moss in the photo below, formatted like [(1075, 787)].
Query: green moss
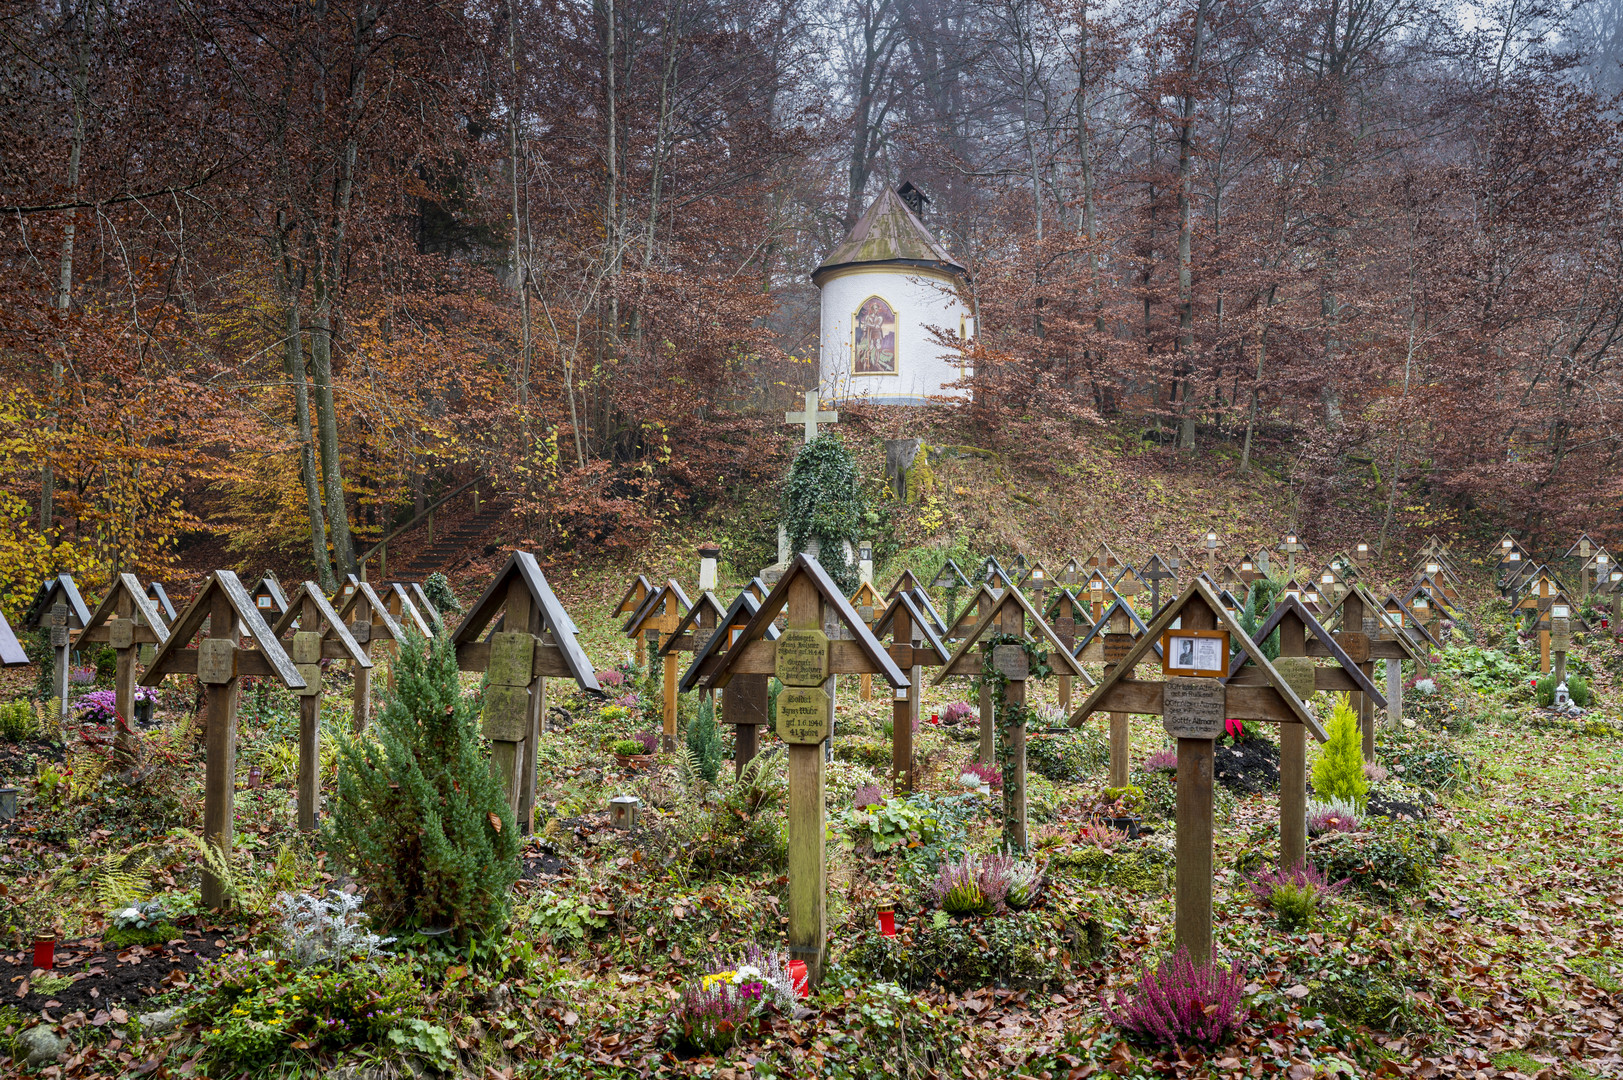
[(872, 753), (1139, 869), (1003, 950), (152, 935), (920, 477), (1374, 1001)]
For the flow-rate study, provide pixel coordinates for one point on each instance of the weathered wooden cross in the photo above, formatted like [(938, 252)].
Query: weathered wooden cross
[(1194, 708), (1290, 547), (58, 606), (807, 662), (317, 633), (125, 620), (745, 704), (913, 646), (368, 619), (1107, 643)]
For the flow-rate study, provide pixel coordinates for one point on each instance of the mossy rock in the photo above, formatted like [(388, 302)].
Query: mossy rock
[(920, 477), (1137, 868)]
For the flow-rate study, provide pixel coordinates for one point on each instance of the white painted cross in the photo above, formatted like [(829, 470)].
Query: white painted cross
[(810, 416)]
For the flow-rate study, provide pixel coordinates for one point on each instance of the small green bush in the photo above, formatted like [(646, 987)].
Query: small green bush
[(1338, 773), (419, 817), (1389, 860), (931, 948), (1067, 758), (704, 741), (124, 937), (1136, 867), (1577, 687), (17, 720), (872, 753), (625, 747)]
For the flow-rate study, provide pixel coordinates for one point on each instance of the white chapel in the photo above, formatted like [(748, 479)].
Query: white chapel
[(883, 289)]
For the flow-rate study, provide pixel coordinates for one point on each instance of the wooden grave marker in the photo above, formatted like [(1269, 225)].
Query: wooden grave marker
[(1291, 546), (1068, 616), (984, 600), (1129, 583), (867, 601), (269, 598), (314, 632), (125, 621), (1361, 618), (745, 705), (368, 619), (1197, 719), (633, 598), (695, 629), (1155, 571), (1036, 583), (1593, 574), (914, 646), (652, 623), (1009, 614), (1105, 560), (808, 664), (59, 607), (1108, 643), (1211, 543), (1301, 639), (220, 663), (534, 640)]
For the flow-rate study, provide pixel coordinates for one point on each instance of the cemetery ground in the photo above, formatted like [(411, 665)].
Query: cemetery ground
[(1478, 932)]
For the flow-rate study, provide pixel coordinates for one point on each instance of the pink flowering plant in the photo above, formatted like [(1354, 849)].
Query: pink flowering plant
[(101, 706), (956, 712), (1180, 1004)]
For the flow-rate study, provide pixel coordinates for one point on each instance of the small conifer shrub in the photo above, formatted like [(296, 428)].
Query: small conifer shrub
[(704, 742), (420, 819), (1339, 771)]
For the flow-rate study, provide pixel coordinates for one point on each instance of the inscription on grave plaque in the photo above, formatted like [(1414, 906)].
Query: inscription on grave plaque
[(801, 659), (1355, 644), (311, 674), (120, 633), (306, 647), (216, 661), (59, 626), (702, 636), (361, 631), (512, 659), (805, 714), (651, 636), (1560, 634), (507, 710), (902, 653), (1065, 627), (1192, 707), (866, 613), (1011, 661), (1116, 647), (1298, 673)]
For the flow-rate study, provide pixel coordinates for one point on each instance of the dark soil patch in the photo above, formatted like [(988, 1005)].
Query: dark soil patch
[(540, 861), (14, 757), (105, 977), (1381, 806), (1248, 766)]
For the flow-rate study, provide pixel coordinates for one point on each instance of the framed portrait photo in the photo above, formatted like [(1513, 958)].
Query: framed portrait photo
[(1195, 652)]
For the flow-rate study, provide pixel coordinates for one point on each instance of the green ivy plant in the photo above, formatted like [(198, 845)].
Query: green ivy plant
[(823, 500), (1006, 715)]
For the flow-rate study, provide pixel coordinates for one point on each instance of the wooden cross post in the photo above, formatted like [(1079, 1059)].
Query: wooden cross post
[(321, 635), (219, 610), (1117, 641), (126, 620), (1156, 572), (866, 601), (60, 654), (1065, 629), (905, 702), (1194, 703), (1560, 642), (536, 640), (1293, 749), (1290, 547), (810, 417), (745, 703), (807, 663), (1354, 617), (59, 609), (988, 747), (369, 623), (1211, 551), (1543, 624)]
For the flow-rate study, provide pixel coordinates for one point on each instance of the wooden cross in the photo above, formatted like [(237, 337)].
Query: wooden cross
[(1008, 614), (1194, 709), (914, 646), (1211, 550), (1063, 612), (1156, 571), (1108, 642), (368, 619), (59, 606), (534, 639), (125, 620), (810, 416), (317, 633), (653, 622), (866, 601), (1359, 635), (807, 662), (1290, 547), (219, 664), (1301, 638), (745, 704)]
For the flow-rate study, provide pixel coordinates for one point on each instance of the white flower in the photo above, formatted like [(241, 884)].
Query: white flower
[(1408, 722), (130, 913), (746, 973)]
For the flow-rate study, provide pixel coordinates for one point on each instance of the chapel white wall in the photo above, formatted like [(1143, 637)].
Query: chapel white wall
[(920, 300)]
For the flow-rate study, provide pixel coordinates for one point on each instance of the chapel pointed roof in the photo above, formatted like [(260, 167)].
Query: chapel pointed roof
[(888, 233)]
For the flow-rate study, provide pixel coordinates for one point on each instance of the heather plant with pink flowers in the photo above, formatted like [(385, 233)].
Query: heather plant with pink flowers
[(956, 712), (1296, 895), (974, 885), (1180, 1004), (1163, 760), (710, 1015)]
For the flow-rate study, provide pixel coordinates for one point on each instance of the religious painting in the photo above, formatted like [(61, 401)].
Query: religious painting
[(873, 338)]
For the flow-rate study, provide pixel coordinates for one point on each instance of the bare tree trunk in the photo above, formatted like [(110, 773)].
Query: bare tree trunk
[(521, 266), (64, 284), (293, 364), (327, 429), (611, 230), (1186, 170)]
